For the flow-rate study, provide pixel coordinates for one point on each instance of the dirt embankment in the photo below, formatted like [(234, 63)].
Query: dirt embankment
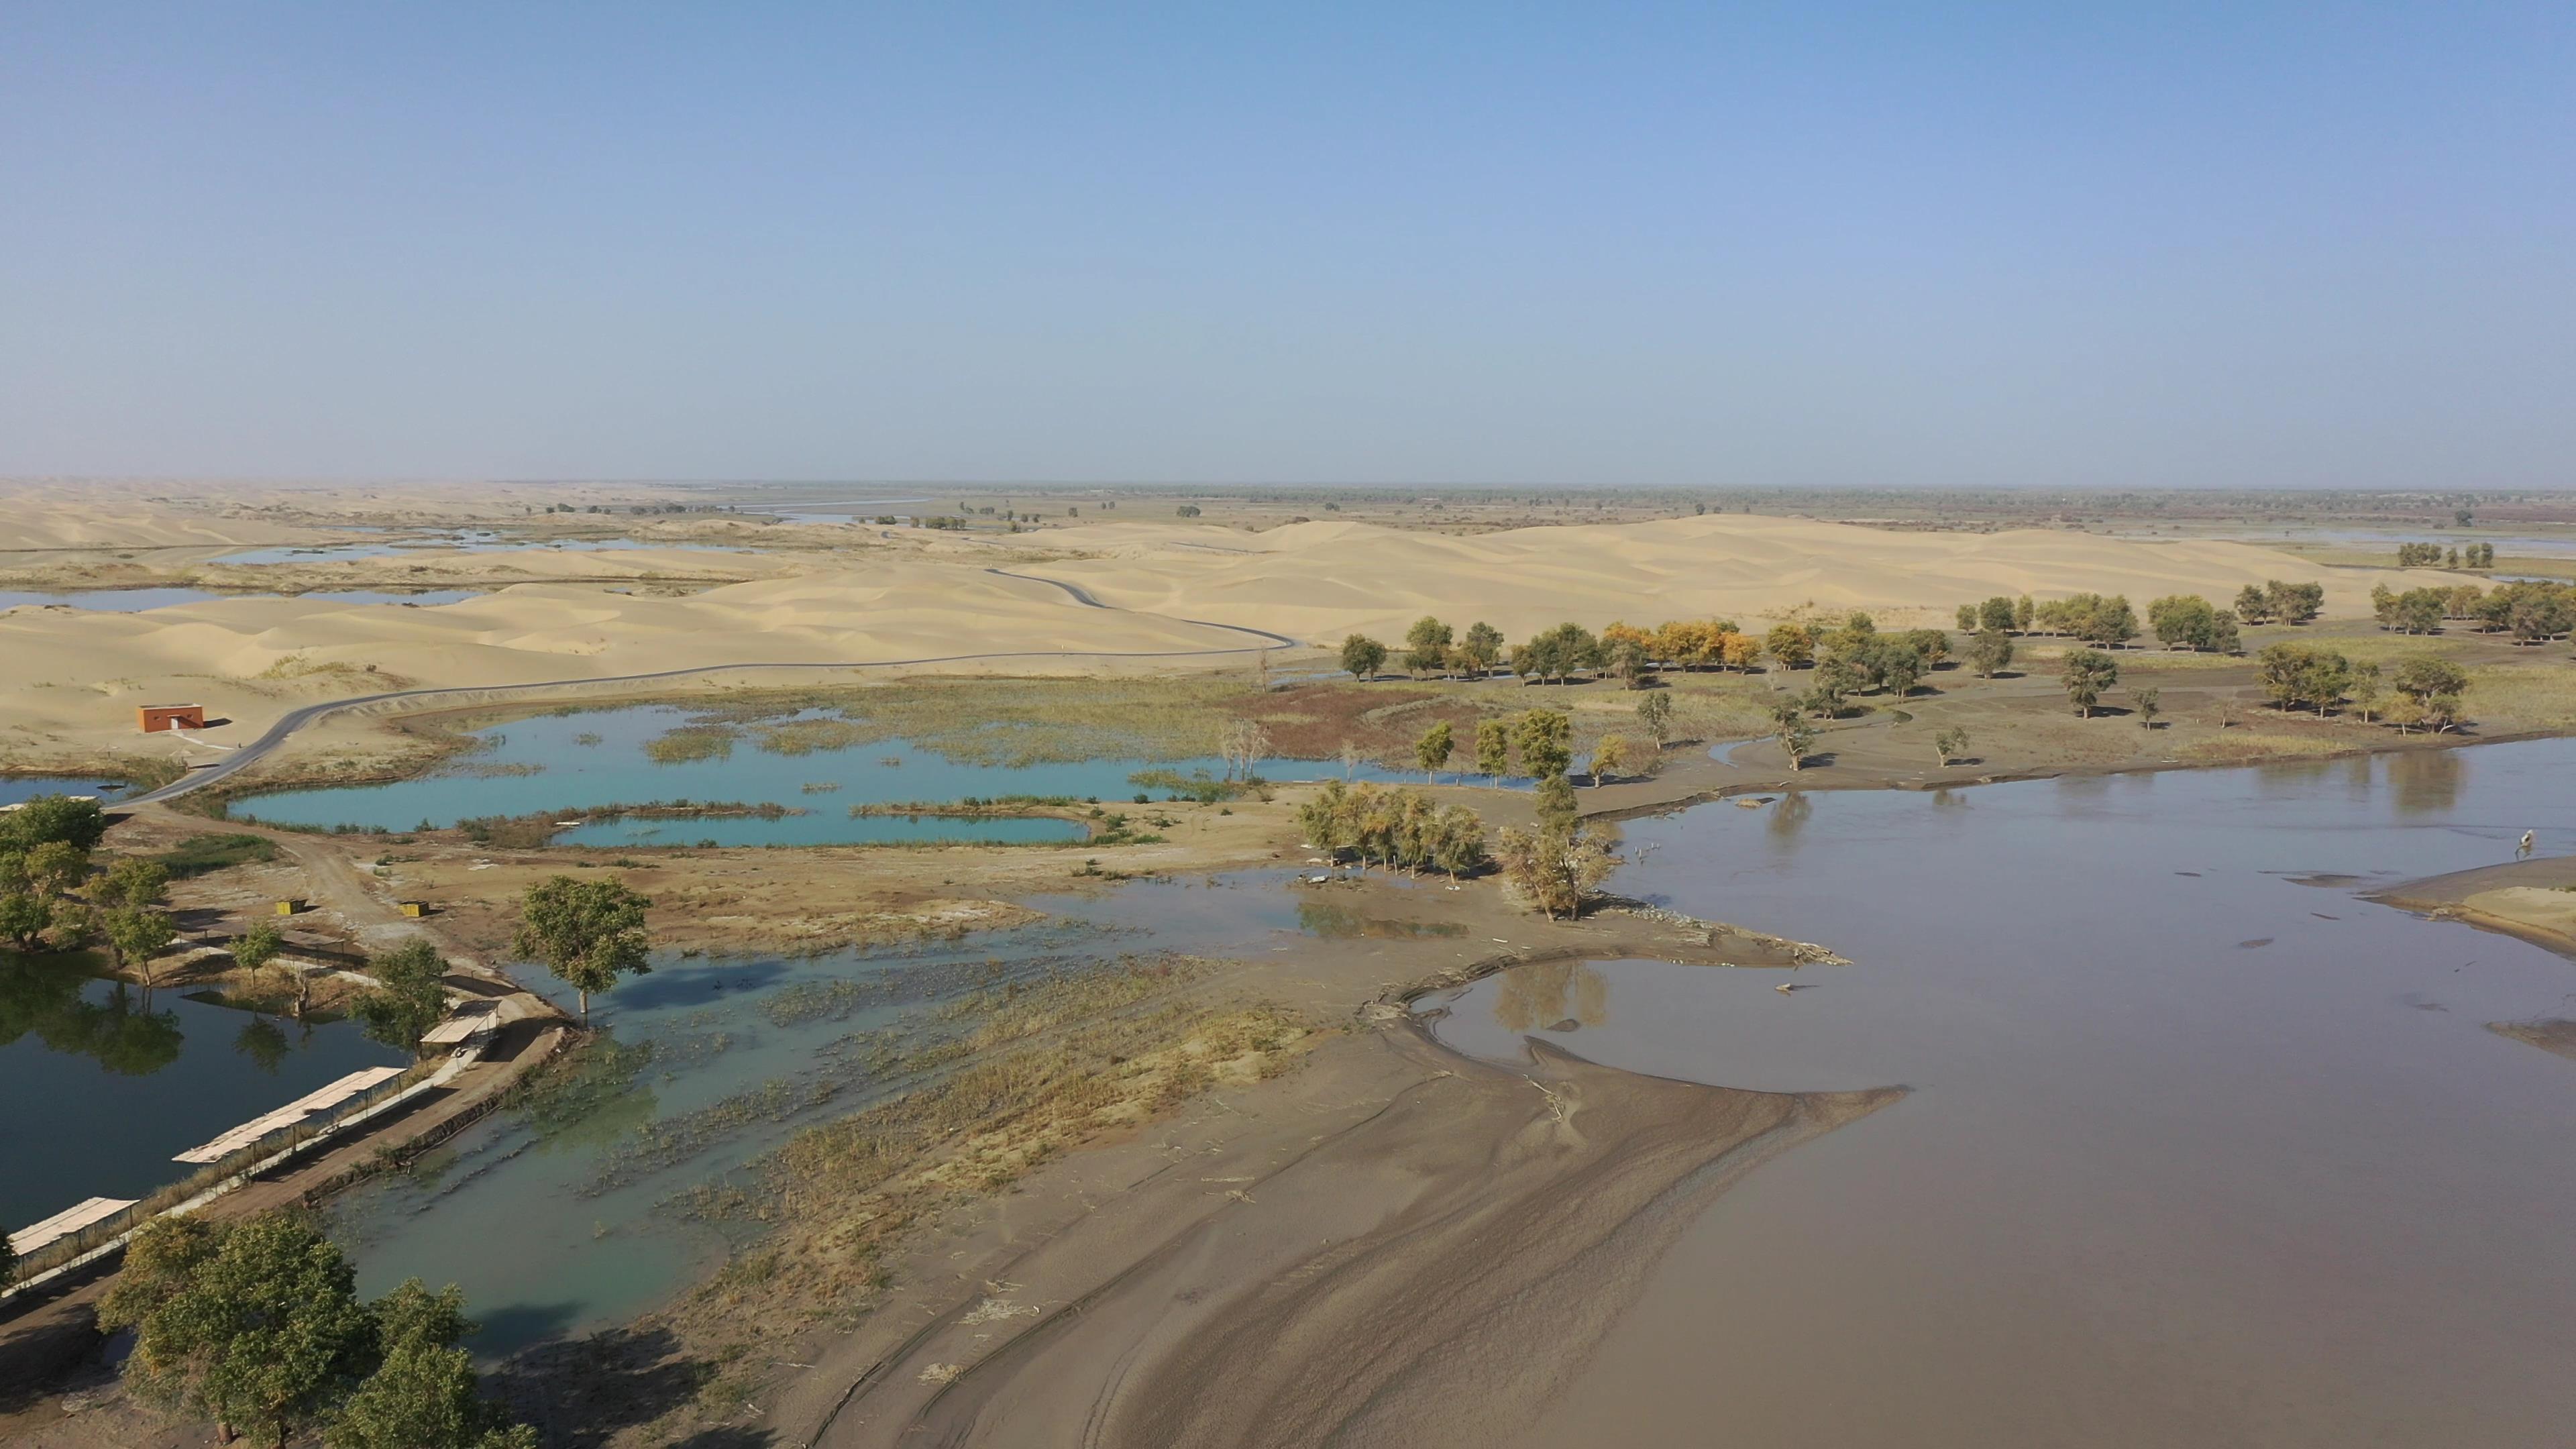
[(1406, 1248), (2531, 899)]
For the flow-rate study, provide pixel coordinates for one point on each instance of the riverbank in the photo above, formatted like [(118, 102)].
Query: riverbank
[(2533, 900)]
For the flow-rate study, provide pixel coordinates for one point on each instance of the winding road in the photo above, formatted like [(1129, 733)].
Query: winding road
[(293, 720)]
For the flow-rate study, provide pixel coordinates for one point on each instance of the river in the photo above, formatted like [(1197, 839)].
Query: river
[(2203, 1147)]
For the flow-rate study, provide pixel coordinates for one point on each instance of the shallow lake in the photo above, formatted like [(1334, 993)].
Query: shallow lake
[(575, 761), (2202, 1148), (556, 1217), (471, 540), (15, 788), (135, 601), (104, 1081)]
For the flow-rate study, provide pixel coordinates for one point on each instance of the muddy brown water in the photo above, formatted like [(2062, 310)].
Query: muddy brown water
[(2151, 1188)]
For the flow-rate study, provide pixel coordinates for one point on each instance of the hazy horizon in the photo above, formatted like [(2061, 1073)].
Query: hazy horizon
[(2167, 247)]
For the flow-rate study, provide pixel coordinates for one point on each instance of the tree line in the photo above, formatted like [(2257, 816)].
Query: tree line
[(2533, 611), (1633, 655), (2433, 556)]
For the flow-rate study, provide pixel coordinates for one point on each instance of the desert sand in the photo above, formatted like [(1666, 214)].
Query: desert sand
[(1321, 580), (1178, 592)]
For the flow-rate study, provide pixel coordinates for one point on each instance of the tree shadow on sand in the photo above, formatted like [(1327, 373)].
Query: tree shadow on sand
[(580, 1393)]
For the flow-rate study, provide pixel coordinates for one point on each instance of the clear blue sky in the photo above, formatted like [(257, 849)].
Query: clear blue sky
[(2061, 244)]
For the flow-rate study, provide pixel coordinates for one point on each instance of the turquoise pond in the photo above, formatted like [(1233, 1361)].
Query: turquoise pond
[(579, 761), (16, 788)]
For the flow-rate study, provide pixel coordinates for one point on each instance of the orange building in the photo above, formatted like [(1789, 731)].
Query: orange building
[(158, 717)]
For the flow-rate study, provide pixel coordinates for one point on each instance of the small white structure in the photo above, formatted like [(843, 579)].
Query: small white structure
[(288, 1115), (67, 1222)]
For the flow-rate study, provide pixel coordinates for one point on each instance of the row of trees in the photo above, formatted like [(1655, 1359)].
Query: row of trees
[(1401, 828), (53, 893), (2421, 693), (2280, 603), (258, 1326), (2533, 611), (2433, 556)]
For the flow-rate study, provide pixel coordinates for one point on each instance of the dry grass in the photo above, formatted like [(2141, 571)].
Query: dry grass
[(1001, 721), (1003, 1082), (2540, 695), (2246, 745)]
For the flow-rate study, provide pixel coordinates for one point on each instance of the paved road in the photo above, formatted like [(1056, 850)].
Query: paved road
[(293, 720)]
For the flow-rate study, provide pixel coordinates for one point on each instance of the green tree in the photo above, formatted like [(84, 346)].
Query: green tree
[(1950, 743), (1609, 757), (24, 915), (2024, 612), (1426, 646), (1545, 738), (1655, 712), (411, 998), (1433, 750), (2301, 676), (1989, 652), (1494, 749), (1362, 657), (255, 948), (1482, 645), (48, 819), (1997, 614), (1797, 738), (1458, 841), (2294, 603), (423, 1393), (256, 1325), (133, 881), (2149, 704), (1967, 618), (1629, 663), (2426, 675), (1899, 667), (1554, 801), (1838, 678), (2253, 606), (1931, 644), (1557, 868), (588, 933), (136, 934), (55, 867), (2087, 673)]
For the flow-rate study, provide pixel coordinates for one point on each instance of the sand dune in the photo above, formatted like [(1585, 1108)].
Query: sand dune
[(75, 675), (79, 517), (1321, 580)]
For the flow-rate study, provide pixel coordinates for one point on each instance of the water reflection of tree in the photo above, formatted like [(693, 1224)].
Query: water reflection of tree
[(265, 1043), (123, 1033), (1537, 995), (1789, 816), (2426, 782)]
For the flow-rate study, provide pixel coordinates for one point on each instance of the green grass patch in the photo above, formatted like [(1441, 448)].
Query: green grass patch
[(206, 854)]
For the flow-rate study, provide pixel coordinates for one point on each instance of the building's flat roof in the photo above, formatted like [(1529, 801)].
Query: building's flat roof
[(288, 1115), (67, 1222)]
